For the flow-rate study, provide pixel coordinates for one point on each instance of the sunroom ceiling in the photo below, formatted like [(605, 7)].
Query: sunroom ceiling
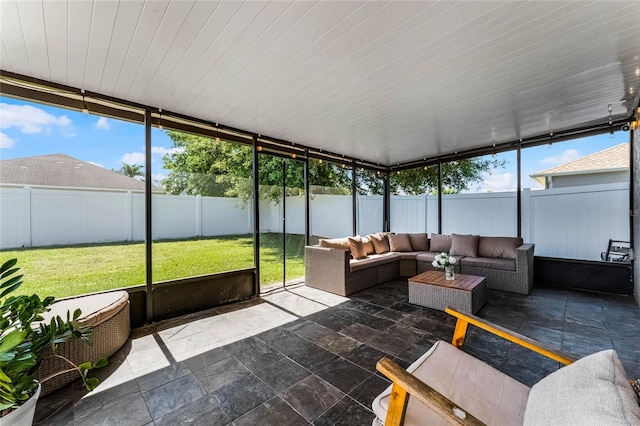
[(385, 82)]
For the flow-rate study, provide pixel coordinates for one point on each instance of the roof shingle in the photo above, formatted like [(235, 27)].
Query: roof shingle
[(65, 171)]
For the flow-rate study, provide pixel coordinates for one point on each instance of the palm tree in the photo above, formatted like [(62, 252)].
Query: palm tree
[(131, 170)]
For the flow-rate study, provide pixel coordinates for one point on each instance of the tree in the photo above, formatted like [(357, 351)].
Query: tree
[(200, 166), (131, 170)]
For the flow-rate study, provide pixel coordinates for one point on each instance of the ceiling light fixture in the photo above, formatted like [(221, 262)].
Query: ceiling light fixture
[(293, 155), (610, 108), (259, 148), (320, 161), (160, 126), (85, 110)]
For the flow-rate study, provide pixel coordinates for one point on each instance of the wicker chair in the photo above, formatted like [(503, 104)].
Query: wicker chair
[(108, 314)]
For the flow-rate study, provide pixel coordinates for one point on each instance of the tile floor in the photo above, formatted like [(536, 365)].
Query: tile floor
[(303, 356)]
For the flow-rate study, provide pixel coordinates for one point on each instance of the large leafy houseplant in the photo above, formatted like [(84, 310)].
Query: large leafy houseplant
[(23, 337)]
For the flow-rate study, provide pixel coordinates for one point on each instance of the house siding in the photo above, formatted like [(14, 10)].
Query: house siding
[(589, 179)]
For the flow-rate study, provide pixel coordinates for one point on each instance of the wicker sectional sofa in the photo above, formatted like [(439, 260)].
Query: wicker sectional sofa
[(340, 265)]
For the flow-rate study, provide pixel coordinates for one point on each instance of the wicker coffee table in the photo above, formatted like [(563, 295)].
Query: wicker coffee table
[(467, 293)]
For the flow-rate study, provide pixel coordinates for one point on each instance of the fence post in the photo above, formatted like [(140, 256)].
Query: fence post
[(28, 216), (526, 215), (198, 215), (128, 222)]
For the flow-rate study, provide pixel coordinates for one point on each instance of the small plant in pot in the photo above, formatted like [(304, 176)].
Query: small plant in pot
[(23, 336)]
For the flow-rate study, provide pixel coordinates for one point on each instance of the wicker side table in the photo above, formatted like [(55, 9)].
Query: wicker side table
[(466, 293)]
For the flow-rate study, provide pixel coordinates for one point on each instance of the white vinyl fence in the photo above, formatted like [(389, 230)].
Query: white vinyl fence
[(567, 223)]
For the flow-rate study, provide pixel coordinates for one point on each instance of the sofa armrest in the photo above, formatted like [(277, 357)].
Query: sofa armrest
[(524, 266), (326, 268)]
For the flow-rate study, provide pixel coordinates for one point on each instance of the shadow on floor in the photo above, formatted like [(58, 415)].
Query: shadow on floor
[(303, 356)]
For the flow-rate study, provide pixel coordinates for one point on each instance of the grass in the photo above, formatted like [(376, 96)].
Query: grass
[(68, 271)]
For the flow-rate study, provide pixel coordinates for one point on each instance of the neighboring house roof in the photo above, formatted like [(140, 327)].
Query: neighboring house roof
[(63, 171), (612, 159)]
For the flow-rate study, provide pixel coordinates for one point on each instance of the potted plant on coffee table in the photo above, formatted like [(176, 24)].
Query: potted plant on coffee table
[(23, 336)]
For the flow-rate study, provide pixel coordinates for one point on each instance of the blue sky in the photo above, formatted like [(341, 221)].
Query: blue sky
[(30, 129)]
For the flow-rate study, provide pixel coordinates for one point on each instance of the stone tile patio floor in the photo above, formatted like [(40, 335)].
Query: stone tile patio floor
[(303, 356)]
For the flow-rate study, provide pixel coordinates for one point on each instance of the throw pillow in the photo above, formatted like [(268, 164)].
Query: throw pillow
[(593, 390), (419, 242), (464, 245), (368, 246), (337, 243), (440, 243), (357, 247), (399, 242), (380, 242)]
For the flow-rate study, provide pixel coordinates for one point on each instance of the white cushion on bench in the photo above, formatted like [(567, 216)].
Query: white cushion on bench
[(491, 396)]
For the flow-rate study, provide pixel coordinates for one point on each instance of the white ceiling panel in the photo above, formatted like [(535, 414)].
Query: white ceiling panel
[(386, 82), (122, 38), (56, 14), (198, 48), (13, 43), (102, 23), (78, 37)]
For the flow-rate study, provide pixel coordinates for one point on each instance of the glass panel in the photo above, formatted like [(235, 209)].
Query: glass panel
[(202, 214), (270, 191), (71, 200), (370, 186), (331, 203), (479, 196), (294, 221), (414, 200), (282, 220), (575, 196)]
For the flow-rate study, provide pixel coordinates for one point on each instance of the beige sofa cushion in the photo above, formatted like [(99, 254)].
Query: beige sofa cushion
[(380, 242), (491, 396), (357, 247), (372, 261), (489, 262), (368, 246), (503, 247), (464, 245), (593, 390), (336, 243), (440, 243), (399, 242), (419, 242)]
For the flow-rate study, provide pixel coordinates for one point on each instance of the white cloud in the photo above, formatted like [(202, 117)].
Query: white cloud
[(164, 151), (95, 164), (564, 157), (133, 158), (103, 123), (498, 183), (6, 141), (29, 119)]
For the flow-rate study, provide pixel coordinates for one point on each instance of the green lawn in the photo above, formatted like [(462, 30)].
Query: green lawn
[(67, 271)]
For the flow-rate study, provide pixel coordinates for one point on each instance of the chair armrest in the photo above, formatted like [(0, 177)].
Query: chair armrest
[(405, 384), (465, 319)]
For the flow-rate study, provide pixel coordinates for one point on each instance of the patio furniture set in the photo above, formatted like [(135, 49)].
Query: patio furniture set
[(447, 385), (346, 265)]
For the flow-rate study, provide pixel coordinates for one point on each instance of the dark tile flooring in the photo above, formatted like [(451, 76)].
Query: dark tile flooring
[(303, 356)]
